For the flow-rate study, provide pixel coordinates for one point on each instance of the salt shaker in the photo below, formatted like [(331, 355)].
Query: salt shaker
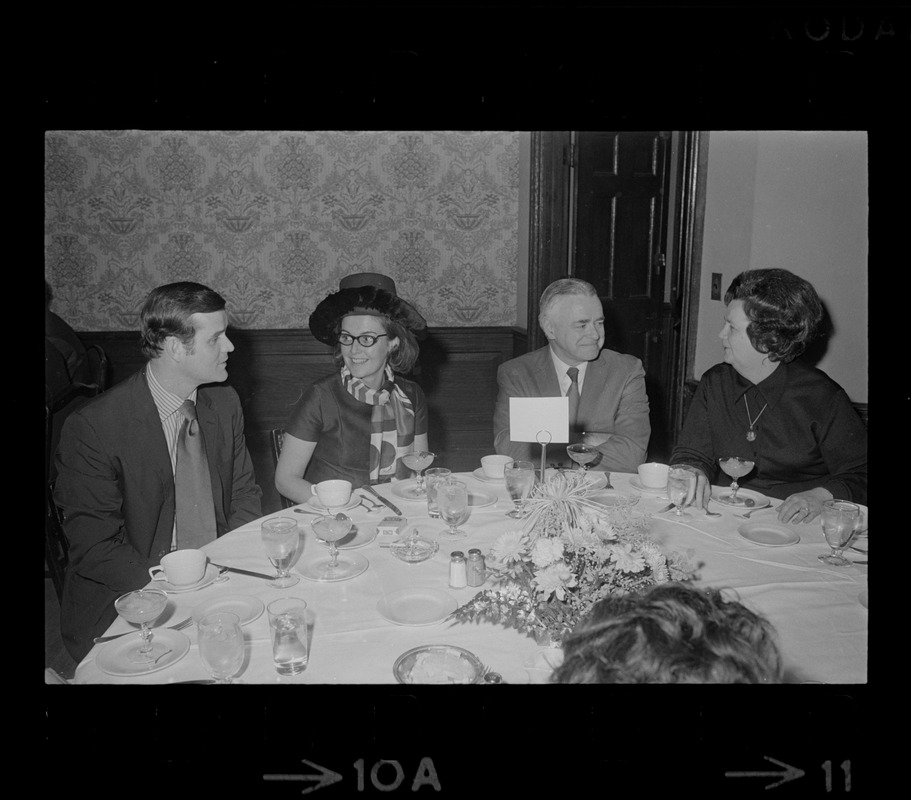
[(477, 571), (458, 572)]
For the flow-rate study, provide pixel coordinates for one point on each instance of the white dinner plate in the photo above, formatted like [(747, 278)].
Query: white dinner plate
[(611, 497), (316, 504), (209, 577), (479, 474), (416, 606), (113, 656), (247, 608), (354, 564), (637, 484), (759, 500), (769, 534), (358, 536), (480, 499), (407, 490)]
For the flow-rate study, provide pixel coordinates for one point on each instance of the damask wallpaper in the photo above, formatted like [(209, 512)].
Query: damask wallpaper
[(273, 220)]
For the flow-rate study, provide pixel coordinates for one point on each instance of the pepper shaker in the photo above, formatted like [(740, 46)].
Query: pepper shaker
[(477, 570), (458, 572)]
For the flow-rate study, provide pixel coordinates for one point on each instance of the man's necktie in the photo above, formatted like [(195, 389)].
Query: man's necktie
[(195, 509), (573, 395)]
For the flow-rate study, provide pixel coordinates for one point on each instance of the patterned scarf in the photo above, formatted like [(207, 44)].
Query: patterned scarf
[(391, 425)]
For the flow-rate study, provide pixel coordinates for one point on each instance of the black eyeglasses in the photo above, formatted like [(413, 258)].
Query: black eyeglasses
[(364, 340)]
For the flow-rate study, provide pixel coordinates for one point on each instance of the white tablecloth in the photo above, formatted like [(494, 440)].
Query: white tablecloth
[(822, 625)]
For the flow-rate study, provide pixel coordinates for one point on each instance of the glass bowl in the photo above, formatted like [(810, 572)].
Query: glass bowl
[(413, 549), (438, 664)]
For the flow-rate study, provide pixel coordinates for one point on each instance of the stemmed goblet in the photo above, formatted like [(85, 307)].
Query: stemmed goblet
[(143, 607), (331, 529), (221, 645), (418, 462), (281, 538), (681, 488), (582, 454), (839, 518), (520, 480), (736, 467), (452, 498)]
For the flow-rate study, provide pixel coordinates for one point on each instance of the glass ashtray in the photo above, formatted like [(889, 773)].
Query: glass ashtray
[(413, 549)]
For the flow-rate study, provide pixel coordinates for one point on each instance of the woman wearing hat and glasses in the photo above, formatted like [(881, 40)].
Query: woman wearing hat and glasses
[(356, 424)]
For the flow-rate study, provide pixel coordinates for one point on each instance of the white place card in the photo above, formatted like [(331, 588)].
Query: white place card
[(539, 419)]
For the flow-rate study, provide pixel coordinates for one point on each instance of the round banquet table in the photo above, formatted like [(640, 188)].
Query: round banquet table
[(816, 609)]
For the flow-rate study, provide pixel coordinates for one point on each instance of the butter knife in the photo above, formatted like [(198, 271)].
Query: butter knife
[(243, 571), (660, 511), (382, 499)]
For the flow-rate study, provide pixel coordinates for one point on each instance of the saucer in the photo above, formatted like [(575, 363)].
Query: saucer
[(316, 504), (416, 606), (247, 608), (480, 499), (481, 476), (769, 534), (205, 580), (759, 500), (407, 490), (113, 656), (358, 536), (350, 565), (862, 597), (637, 484)]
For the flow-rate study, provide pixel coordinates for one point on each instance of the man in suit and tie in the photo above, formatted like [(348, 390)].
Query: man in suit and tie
[(156, 463), (606, 389)]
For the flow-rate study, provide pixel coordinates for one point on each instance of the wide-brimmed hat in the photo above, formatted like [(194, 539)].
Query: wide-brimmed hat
[(370, 293)]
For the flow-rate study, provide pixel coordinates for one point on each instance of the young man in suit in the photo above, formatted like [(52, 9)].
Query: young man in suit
[(117, 460), (610, 400)]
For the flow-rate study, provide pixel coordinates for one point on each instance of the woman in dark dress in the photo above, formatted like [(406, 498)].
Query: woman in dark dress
[(792, 420), (357, 423)]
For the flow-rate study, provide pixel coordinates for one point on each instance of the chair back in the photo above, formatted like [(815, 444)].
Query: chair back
[(56, 546), (277, 436)]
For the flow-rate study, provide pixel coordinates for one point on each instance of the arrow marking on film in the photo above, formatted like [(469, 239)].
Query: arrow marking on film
[(326, 777), (789, 774)]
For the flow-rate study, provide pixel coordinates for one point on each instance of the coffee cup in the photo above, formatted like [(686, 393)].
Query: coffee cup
[(493, 466), (180, 567), (334, 493), (653, 475)]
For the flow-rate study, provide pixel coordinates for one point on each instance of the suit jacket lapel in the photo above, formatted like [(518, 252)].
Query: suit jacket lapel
[(595, 379), (212, 434), (545, 375)]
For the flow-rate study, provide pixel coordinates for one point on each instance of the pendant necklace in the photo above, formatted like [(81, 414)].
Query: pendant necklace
[(751, 434)]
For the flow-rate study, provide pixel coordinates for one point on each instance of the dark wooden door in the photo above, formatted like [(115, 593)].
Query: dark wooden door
[(620, 225)]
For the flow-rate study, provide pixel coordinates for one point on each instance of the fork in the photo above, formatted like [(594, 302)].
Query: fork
[(178, 627), (747, 515)]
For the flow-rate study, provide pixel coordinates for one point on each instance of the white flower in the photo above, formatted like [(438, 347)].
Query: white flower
[(555, 579), (509, 547), (547, 551), (626, 558)]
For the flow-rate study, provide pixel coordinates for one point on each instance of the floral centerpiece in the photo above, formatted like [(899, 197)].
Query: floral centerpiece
[(569, 553)]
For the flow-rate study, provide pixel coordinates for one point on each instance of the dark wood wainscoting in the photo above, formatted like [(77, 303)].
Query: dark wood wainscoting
[(270, 368)]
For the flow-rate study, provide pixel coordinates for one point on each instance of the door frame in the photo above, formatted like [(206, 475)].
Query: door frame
[(550, 237)]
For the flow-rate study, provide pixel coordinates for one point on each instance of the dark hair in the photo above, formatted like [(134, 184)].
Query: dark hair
[(672, 633), (784, 311), (403, 358), (167, 311)]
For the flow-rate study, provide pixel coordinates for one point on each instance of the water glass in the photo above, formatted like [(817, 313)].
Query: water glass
[(288, 625), (220, 640), (839, 517), (431, 478)]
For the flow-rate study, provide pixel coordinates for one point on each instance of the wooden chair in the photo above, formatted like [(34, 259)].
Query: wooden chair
[(277, 436)]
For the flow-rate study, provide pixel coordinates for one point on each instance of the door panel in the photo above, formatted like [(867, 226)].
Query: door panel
[(620, 238)]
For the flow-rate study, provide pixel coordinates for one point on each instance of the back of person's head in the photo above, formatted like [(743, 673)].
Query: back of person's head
[(784, 311), (560, 288), (167, 311), (671, 633)]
